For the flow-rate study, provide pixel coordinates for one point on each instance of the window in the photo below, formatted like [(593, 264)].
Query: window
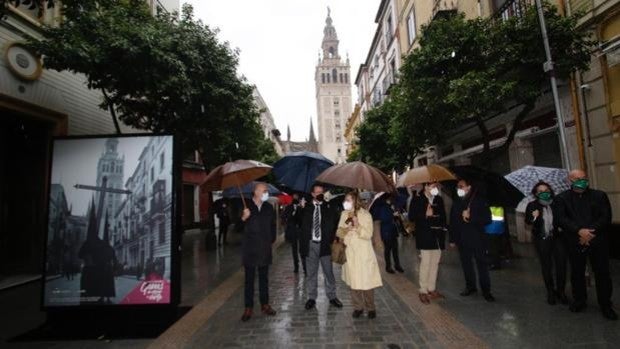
[(393, 70), (411, 29), (328, 78), (341, 78), (335, 76), (161, 161), (323, 78), (389, 27), (336, 101), (112, 167), (346, 78), (152, 173)]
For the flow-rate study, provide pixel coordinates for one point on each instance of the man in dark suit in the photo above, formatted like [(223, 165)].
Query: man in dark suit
[(468, 217), (318, 230), (584, 215), (258, 236)]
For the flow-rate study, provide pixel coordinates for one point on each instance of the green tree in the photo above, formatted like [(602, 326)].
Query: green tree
[(167, 73), (466, 71), (377, 144)]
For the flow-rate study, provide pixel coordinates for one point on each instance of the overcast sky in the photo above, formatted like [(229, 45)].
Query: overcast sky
[(279, 42)]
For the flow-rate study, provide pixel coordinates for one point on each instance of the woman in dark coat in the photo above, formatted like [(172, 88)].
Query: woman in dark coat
[(428, 212), (550, 244)]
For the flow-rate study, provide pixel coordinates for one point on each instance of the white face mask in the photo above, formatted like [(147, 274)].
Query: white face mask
[(265, 197), (461, 193), (434, 191), (347, 205)]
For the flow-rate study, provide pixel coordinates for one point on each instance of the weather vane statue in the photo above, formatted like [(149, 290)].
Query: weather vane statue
[(329, 11)]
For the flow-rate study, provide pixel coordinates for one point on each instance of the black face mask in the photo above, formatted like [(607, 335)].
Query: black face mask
[(320, 198)]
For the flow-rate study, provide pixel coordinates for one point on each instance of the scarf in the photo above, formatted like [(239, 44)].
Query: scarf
[(547, 215)]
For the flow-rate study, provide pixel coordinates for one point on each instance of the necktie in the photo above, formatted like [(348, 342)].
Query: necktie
[(317, 222)]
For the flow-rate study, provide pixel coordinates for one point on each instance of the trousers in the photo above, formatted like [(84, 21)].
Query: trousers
[(553, 257), (313, 260), (429, 266), (598, 254), (263, 285), (468, 255), (363, 299), (391, 251)]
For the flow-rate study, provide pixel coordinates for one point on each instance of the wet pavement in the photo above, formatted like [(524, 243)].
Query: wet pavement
[(213, 284)]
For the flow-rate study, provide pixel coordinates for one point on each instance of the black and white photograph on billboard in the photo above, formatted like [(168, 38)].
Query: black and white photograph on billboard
[(110, 220)]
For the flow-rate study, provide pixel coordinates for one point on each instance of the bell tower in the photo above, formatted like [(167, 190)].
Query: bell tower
[(333, 94)]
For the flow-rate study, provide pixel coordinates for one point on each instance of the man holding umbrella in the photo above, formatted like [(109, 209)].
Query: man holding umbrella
[(259, 234), (318, 228)]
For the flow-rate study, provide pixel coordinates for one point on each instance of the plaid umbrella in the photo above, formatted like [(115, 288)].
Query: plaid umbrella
[(525, 179)]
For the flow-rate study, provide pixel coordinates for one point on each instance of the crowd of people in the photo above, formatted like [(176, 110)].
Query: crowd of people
[(567, 229)]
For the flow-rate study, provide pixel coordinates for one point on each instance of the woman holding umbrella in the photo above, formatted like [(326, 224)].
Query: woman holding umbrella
[(361, 270), (550, 245), (429, 215)]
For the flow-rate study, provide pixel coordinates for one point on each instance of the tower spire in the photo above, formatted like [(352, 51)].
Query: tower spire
[(312, 138), (330, 38), (288, 133)]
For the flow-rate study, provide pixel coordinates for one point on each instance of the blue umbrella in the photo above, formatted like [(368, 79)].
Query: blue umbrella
[(299, 170), (248, 191)]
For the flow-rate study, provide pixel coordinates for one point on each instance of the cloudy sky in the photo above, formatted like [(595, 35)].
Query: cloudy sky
[(279, 42)]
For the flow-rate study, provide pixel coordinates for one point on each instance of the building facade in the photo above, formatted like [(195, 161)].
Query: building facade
[(267, 122), (333, 95)]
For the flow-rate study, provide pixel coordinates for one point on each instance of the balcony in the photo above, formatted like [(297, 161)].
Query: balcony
[(444, 8), (513, 8), (580, 6)]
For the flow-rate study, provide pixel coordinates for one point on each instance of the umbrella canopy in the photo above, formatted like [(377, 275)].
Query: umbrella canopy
[(425, 174), (525, 179), (247, 190), (235, 174), (356, 175), (299, 170), (495, 188)]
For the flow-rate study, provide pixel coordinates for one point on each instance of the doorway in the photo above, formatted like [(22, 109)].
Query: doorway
[(24, 156)]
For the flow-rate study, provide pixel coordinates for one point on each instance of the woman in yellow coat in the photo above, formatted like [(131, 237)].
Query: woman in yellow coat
[(361, 270)]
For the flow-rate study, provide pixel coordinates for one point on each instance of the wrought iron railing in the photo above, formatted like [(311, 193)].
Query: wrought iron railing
[(444, 7), (513, 8)]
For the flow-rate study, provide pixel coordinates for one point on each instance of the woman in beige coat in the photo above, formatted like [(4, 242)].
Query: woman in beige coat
[(361, 271)]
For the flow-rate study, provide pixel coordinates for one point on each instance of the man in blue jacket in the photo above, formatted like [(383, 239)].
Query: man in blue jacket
[(468, 217)]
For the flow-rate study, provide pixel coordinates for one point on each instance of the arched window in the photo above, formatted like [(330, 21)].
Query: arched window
[(323, 78), (341, 78), (328, 78), (335, 76), (346, 78), (332, 52)]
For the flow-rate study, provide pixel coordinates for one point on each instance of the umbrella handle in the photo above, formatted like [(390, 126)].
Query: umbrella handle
[(245, 206)]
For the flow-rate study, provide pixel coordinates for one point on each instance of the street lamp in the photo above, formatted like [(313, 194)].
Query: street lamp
[(548, 67)]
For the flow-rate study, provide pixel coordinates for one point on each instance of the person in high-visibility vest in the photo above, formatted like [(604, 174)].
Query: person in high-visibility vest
[(494, 232)]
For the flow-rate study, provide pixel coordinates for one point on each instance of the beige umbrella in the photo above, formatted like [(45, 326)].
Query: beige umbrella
[(425, 174), (356, 175), (235, 174)]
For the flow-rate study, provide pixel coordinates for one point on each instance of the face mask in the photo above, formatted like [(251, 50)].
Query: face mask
[(265, 197), (435, 191), (544, 196), (320, 198), (581, 184), (347, 205), (461, 192)]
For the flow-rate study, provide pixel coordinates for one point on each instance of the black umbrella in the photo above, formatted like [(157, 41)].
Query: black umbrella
[(494, 187)]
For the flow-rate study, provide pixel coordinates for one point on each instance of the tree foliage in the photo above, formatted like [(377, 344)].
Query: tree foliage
[(467, 71), (164, 73)]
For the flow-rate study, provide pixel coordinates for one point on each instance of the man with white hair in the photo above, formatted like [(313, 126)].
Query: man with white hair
[(258, 236), (584, 215)]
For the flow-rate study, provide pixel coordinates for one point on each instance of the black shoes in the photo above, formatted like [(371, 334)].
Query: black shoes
[(610, 314), (389, 270), (577, 307), (399, 269), (357, 313), (468, 292), (562, 298), (335, 302), (489, 297), (311, 303), (373, 314)]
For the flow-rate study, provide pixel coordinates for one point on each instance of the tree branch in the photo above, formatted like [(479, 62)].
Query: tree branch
[(112, 111)]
